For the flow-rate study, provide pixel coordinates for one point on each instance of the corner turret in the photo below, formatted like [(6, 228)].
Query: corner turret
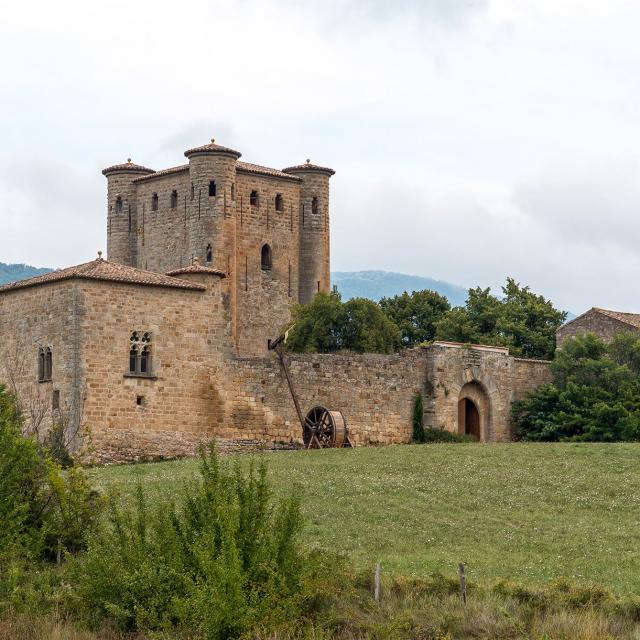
[(122, 217), (314, 229)]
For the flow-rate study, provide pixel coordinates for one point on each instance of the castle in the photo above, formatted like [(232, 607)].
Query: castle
[(164, 344)]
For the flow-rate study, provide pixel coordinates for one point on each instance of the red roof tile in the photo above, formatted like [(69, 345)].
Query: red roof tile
[(247, 167), (632, 319), (197, 268), (126, 167), (163, 172), (107, 271), (211, 148), (310, 167)]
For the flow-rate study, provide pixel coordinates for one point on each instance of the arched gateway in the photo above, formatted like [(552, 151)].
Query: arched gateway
[(474, 408)]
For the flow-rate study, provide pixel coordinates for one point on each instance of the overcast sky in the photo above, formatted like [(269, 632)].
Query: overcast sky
[(472, 139)]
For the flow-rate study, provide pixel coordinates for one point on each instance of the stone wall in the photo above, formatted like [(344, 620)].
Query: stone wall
[(592, 321), (166, 413), (488, 376), (35, 317)]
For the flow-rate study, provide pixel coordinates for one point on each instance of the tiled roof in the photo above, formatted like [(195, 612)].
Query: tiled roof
[(211, 148), (309, 167), (197, 268), (125, 167), (247, 167), (163, 172), (103, 270), (632, 319)]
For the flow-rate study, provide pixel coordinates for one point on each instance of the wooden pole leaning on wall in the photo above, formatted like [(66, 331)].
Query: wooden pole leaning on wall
[(463, 583)]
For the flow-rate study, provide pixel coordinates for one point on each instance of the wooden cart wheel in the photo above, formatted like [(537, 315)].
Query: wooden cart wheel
[(324, 428)]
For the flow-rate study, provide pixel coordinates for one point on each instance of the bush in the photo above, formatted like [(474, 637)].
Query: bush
[(220, 562), (594, 395), (327, 325), (418, 419), (43, 512), (436, 434)]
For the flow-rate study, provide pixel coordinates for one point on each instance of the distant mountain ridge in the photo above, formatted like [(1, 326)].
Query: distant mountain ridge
[(13, 272), (380, 284)]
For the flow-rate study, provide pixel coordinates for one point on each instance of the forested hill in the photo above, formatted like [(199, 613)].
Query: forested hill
[(380, 284), (12, 272)]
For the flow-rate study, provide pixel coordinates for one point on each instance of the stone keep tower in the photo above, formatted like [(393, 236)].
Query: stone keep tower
[(122, 215), (314, 229)]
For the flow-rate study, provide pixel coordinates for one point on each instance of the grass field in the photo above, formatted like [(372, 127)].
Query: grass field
[(525, 512)]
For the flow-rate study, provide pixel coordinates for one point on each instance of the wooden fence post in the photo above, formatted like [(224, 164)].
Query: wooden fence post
[(463, 583)]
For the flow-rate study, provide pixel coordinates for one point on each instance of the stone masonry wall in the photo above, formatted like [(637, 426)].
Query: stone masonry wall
[(488, 376), (167, 413), (45, 316), (591, 322)]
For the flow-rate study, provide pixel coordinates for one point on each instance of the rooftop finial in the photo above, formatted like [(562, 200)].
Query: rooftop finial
[(213, 140), (308, 160), (129, 160), (99, 255)]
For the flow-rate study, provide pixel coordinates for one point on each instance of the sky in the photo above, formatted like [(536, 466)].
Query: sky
[(472, 140)]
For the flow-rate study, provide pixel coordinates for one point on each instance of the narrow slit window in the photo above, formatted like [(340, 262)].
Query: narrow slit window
[(254, 199), (119, 205), (233, 191), (133, 359), (209, 253), (266, 258), (174, 199), (314, 205), (193, 191), (212, 188), (45, 364), (279, 202), (41, 365), (154, 202), (144, 360)]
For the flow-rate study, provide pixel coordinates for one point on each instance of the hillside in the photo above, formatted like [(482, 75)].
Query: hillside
[(525, 512), (13, 272), (380, 284)]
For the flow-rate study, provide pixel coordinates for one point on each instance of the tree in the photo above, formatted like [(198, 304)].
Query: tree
[(327, 324), (594, 396), (416, 314), (523, 321)]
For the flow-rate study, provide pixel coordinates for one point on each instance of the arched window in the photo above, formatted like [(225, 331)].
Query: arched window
[(209, 254), (154, 202), (48, 363), (118, 204), (253, 199), (266, 258), (193, 191), (212, 188), (279, 202), (133, 359), (140, 354), (45, 364), (174, 199), (314, 205)]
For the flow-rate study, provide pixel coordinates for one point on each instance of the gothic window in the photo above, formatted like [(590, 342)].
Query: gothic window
[(279, 202), (154, 202), (118, 204), (193, 191), (174, 199), (314, 205), (45, 364), (209, 254), (253, 199), (212, 188), (140, 354), (265, 258)]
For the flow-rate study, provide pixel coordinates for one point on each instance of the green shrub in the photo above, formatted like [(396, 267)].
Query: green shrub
[(43, 512), (221, 561), (418, 419), (438, 434)]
